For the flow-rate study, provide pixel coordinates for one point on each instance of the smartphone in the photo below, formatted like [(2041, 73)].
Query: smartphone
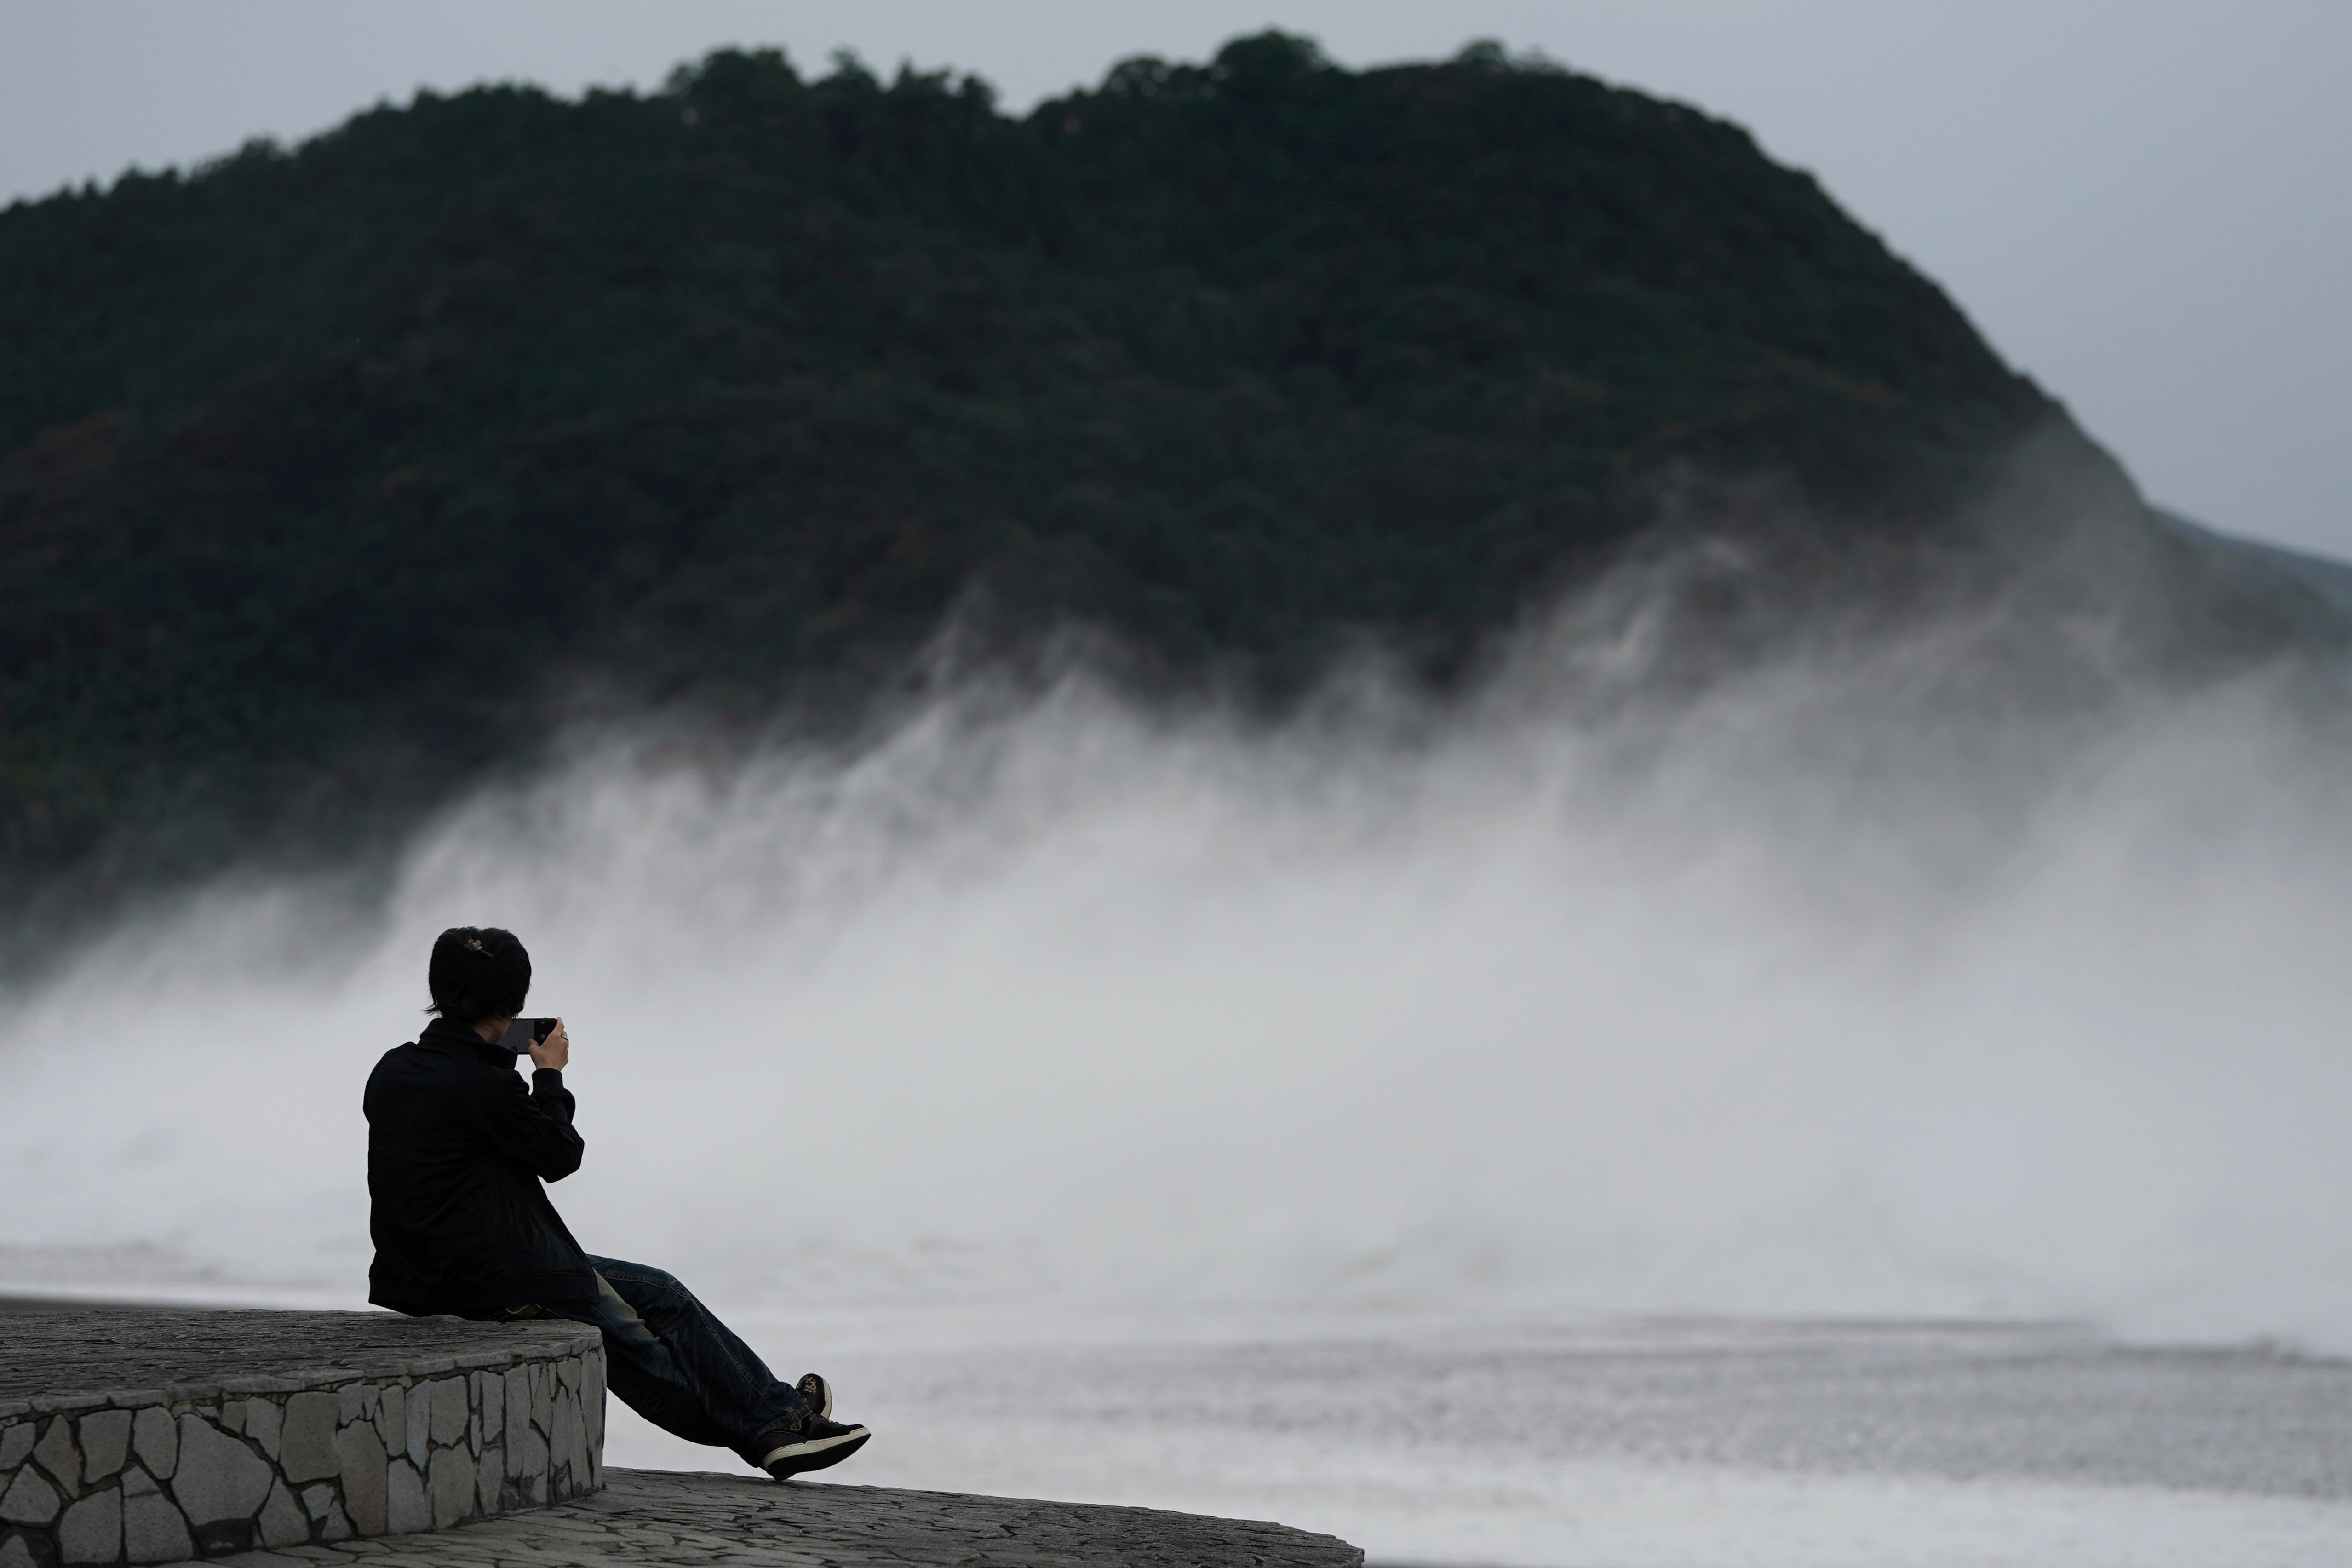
[(525, 1033)]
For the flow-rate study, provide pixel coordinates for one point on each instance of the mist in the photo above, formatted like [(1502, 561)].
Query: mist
[(1849, 982)]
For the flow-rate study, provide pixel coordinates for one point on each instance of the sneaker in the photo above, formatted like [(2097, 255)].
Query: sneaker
[(818, 1443), (818, 1392)]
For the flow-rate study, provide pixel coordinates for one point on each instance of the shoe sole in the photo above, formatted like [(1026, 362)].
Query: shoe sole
[(798, 1459)]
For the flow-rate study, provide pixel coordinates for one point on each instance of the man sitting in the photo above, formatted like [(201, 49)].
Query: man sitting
[(458, 1149)]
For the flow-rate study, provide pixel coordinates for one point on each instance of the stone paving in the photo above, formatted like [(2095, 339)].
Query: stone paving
[(74, 1349), (155, 1436), (663, 1518)]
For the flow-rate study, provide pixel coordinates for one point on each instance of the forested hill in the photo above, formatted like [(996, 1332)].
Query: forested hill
[(328, 474)]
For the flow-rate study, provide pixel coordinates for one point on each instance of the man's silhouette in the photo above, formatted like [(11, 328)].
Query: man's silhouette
[(458, 1149)]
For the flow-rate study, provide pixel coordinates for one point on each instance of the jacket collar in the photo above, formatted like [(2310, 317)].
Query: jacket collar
[(455, 1035)]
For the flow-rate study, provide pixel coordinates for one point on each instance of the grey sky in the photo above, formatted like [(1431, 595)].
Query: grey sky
[(2144, 204)]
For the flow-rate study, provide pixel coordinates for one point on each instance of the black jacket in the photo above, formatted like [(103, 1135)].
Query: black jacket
[(456, 1149)]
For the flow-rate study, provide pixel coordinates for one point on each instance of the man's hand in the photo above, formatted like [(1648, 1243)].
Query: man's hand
[(553, 1051)]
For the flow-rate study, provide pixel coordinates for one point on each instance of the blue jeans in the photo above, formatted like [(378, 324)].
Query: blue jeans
[(680, 1368)]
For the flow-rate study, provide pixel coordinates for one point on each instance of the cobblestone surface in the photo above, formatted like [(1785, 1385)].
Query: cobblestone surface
[(660, 1517), (135, 1437)]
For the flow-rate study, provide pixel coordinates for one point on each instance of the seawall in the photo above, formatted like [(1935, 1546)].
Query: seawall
[(156, 1436), (295, 1439)]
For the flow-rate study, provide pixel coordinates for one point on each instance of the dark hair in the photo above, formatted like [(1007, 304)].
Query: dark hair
[(477, 973)]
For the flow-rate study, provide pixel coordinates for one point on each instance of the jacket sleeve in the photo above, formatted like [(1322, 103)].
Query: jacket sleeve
[(533, 1126)]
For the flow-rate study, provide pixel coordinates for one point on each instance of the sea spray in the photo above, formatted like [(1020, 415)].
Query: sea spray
[(1810, 991)]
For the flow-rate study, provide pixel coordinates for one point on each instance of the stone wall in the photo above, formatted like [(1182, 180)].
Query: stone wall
[(509, 1417)]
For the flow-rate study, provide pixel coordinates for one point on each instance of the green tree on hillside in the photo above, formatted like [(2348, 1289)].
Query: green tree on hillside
[(326, 473)]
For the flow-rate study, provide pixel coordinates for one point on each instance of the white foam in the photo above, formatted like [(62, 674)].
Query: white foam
[(1811, 993), (1277, 1425)]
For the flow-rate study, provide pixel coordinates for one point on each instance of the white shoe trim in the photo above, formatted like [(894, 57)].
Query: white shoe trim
[(816, 1446)]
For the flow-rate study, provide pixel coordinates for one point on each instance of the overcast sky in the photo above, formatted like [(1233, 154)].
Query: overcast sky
[(2146, 204)]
